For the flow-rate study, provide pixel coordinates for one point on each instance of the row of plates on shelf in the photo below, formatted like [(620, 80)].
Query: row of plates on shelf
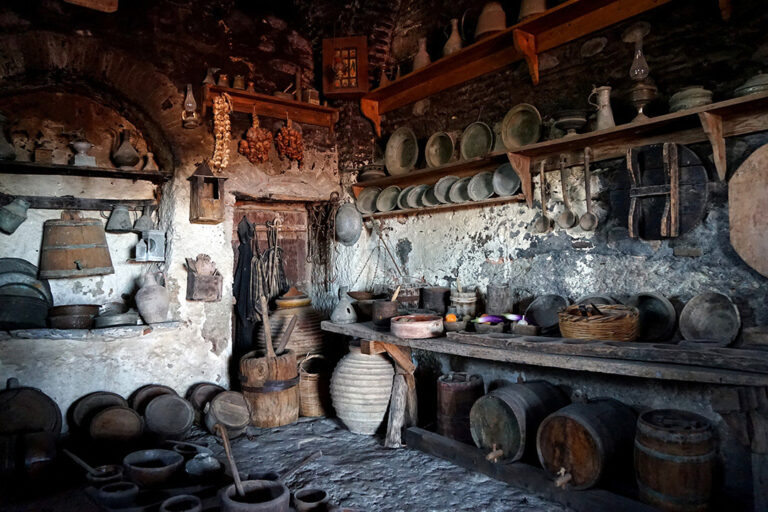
[(503, 182)]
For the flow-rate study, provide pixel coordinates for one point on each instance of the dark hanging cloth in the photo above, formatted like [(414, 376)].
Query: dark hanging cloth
[(241, 288)]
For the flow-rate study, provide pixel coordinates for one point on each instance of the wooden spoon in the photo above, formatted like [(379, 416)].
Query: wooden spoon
[(397, 292), (80, 462), (588, 221), (567, 219), (233, 467)]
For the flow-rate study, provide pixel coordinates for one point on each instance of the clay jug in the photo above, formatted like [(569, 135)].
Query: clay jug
[(453, 44), (344, 313), (603, 106), (152, 299), (360, 388), (7, 151), (125, 155), (421, 59), (12, 215)]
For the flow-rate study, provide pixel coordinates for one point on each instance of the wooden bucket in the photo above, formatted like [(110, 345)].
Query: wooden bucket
[(674, 460), (230, 409), (582, 443), (314, 387), (270, 387), (456, 393), (74, 247), (509, 416)]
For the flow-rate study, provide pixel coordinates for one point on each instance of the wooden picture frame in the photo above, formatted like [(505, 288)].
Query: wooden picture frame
[(351, 53)]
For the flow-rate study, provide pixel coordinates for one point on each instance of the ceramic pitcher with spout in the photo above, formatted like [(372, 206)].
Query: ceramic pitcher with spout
[(453, 44), (603, 106)]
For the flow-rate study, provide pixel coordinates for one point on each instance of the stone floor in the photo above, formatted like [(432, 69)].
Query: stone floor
[(359, 473)]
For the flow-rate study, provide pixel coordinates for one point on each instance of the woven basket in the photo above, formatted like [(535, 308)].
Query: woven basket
[(314, 388), (617, 323)]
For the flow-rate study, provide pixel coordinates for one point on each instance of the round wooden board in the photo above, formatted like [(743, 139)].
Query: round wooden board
[(747, 198)]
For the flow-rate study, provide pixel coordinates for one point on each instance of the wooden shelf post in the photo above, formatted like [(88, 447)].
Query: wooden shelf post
[(525, 43), (713, 127), (522, 166)]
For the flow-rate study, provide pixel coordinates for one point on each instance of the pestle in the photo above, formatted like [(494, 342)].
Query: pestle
[(267, 328), (233, 467), (397, 292), (80, 462)]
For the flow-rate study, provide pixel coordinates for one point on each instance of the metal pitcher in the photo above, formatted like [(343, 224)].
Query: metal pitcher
[(603, 106), (119, 220)]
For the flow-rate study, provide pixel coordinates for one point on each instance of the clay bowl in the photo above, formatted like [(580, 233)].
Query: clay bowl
[(76, 316), (506, 182), (366, 201), (151, 468), (442, 187), (107, 474), (310, 499), (117, 494), (203, 467), (476, 141), (487, 328), (362, 295), (460, 325), (259, 495), (182, 503), (417, 326), (657, 316), (401, 152)]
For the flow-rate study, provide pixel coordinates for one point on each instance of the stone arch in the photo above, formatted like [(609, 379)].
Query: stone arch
[(142, 94)]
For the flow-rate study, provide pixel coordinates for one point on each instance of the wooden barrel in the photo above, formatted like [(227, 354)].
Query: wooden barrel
[(74, 247), (116, 424), (581, 443), (509, 416), (674, 460), (271, 388), (456, 393), (230, 409), (314, 387), (169, 416)]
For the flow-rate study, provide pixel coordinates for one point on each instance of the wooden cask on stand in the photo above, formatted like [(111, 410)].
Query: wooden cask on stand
[(270, 386), (582, 443), (509, 416), (674, 460)]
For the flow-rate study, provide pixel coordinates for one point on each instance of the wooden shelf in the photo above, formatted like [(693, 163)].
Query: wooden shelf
[(272, 106), (32, 168), (77, 203), (524, 40), (710, 366), (519, 198), (713, 123)]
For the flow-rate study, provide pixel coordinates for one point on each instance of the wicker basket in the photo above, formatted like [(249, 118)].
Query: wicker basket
[(314, 387), (616, 323)]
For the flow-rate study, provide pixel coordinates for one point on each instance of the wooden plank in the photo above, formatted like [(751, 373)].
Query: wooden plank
[(108, 6), (370, 348), (33, 168), (525, 42), (713, 128), (411, 401), (519, 198), (521, 475), (604, 365), (397, 406), (77, 203)]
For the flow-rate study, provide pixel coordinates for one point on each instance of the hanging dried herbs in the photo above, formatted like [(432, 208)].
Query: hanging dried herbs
[(222, 108), (290, 143), (257, 143)]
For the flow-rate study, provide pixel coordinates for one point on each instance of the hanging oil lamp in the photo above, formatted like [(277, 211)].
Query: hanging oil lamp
[(644, 91), (190, 118)]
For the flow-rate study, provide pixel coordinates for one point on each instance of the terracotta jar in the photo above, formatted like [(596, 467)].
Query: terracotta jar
[(152, 299)]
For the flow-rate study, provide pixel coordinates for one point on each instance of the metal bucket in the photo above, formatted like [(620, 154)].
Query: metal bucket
[(74, 247)]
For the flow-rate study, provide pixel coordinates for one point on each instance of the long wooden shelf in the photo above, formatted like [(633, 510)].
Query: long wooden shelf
[(77, 203), (524, 40), (272, 106), (713, 123), (33, 168), (518, 198), (713, 366)]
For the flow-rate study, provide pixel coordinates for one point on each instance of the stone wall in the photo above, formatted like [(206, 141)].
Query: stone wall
[(131, 68)]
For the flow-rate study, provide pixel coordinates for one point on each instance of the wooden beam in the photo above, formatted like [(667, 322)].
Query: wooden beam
[(370, 109), (713, 128), (370, 347), (522, 166), (525, 43), (77, 203), (34, 168), (97, 5), (521, 475)]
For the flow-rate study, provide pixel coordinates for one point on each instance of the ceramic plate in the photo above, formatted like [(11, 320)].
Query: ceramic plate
[(476, 141), (428, 198), (543, 311), (442, 187), (657, 316), (458, 191), (506, 182), (366, 201), (401, 152), (710, 316), (439, 149), (414, 196), (402, 199), (387, 199), (521, 126), (480, 186)]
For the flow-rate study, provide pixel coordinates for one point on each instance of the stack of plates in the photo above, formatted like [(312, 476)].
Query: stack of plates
[(24, 300)]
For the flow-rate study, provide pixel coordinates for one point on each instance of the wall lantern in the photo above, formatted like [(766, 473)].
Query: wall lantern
[(345, 67), (206, 200)]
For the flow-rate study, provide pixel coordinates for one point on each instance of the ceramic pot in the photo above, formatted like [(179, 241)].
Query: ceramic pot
[(12, 215), (7, 151), (531, 7), (492, 19), (125, 155), (421, 59), (344, 313), (152, 299), (453, 44), (360, 388)]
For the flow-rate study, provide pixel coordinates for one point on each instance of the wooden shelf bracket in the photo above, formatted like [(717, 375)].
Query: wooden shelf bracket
[(713, 127), (525, 43), (370, 109), (522, 166)]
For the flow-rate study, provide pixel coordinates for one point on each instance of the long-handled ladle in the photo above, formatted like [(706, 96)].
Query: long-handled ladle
[(588, 221), (233, 467)]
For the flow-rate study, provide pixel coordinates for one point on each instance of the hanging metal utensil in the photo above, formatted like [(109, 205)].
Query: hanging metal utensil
[(567, 219), (588, 221), (542, 224)]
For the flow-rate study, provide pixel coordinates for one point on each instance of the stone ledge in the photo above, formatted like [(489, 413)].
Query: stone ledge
[(99, 335)]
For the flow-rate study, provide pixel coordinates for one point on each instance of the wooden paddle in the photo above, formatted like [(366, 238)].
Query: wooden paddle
[(397, 292), (286, 334), (233, 467)]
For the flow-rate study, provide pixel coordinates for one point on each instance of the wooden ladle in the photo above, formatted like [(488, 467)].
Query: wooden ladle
[(588, 221), (567, 219), (543, 224), (221, 429)]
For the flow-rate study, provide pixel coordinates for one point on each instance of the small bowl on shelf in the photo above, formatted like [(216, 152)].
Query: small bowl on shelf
[(459, 325), (487, 328)]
